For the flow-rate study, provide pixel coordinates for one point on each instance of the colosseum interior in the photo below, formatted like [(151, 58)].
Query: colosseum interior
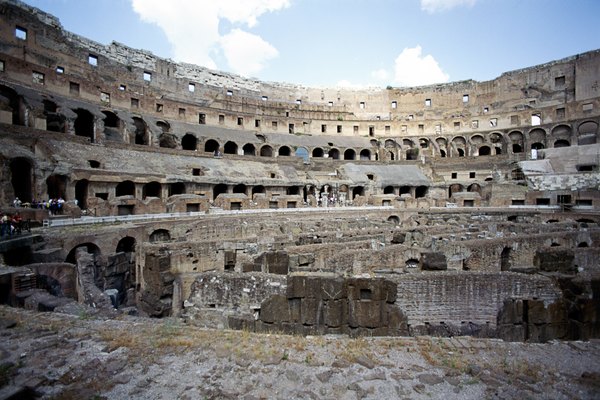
[(467, 208)]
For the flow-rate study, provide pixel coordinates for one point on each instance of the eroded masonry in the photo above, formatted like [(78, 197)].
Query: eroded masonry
[(468, 208)]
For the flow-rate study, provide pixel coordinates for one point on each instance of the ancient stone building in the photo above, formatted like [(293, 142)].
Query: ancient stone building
[(200, 193)]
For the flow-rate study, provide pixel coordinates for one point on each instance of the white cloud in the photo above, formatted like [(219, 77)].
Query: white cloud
[(246, 53), (432, 6), (380, 74), (192, 28), (413, 69)]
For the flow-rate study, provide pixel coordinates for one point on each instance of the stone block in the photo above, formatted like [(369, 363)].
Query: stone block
[(434, 262), (555, 260), (311, 311), (333, 289), (295, 306), (536, 312), (296, 286), (275, 309), (365, 314), (245, 323), (335, 313), (397, 321)]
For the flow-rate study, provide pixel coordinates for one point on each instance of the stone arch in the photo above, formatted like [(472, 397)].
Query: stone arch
[(151, 189), (394, 219), (561, 143), (365, 155), (517, 142), (84, 124), (258, 189), (334, 153), (176, 188), (218, 189), (388, 190), (266, 151), (141, 135), (404, 190), (562, 131), (317, 152), (125, 188), (55, 122), (424, 143), (211, 146), (126, 245), (91, 248), (81, 193), (21, 178), (537, 135), (302, 152), (474, 188), (477, 139), (292, 190), (239, 188), (230, 147), (164, 126), (349, 154), (249, 149), (11, 101), (455, 188), (284, 151), (112, 126), (505, 259), (189, 142), (537, 146), (358, 191), (159, 235), (587, 133), (421, 191), (459, 145), (390, 144), (57, 186), (485, 150)]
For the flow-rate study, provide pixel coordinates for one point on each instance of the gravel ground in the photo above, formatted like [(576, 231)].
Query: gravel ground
[(60, 356)]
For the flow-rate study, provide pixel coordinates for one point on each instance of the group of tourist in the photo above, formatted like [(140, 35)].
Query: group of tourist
[(54, 206), (10, 224)]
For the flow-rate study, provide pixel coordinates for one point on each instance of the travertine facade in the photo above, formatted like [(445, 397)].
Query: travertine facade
[(374, 175)]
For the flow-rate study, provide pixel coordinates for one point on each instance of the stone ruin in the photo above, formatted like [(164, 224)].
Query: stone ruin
[(468, 208)]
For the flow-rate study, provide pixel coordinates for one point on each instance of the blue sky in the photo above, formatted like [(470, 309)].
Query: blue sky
[(343, 42)]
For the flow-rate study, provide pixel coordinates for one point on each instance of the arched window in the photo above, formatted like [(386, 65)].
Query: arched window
[(421, 191), (317, 152), (160, 235), (485, 151), (358, 191), (284, 151), (241, 188), (388, 190), (230, 148), (176, 188), (249, 149), (365, 155), (349, 154), (57, 186), (151, 189), (334, 154), (266, 151), (211, 146), (125, 188), (561, 143), (189, 142), (126, 245)]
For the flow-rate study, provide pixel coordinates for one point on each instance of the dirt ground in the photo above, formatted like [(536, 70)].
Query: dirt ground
[(61, 356)]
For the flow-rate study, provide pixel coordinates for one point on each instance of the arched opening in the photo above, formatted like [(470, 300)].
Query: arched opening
[(404, 190), (583, 244), (81, 193), (388, 190), (84, 124), (349, 154), (218, 189), (176, 188), (230, 148), (394, 219), (10, 100), (443, 153), (412, 154), (189, 142), (258, 189), (358, 191), (538, 136), (89, 247), (334, 154), (390, 155), (55, 122), (167, 140), (21, 178), (302, 152), (317, 152), (461, 152), (498, 150), (164, 126), (240, 188), (485, 151), (365, 155), (266, 151), (474, 188), (211, 146), (284, 151), (249, 149), (516, 148), (112, 125), (412, 263), (555, 244), (160, 235), (57, 186), (151, 189), (561, 143), (141, 132), (421, 191), (456, 188), (587, 133), (293, 190), (126, 245), (125, 188), (505, 259)]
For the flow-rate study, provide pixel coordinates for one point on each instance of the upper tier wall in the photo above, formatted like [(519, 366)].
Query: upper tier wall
[(113, 75)]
